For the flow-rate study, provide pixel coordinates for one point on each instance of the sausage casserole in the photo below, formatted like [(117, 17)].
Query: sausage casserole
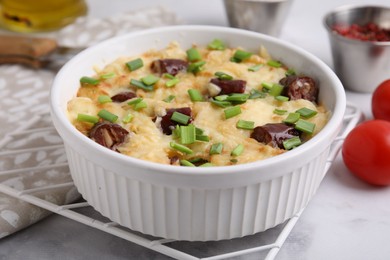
[(204, 106)]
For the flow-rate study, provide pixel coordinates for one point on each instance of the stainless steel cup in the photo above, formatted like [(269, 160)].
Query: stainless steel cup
[(263, 16), (360, 65)]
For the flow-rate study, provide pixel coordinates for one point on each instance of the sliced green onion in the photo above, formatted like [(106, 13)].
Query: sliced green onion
[(221, 97), (243, 124), (232, 111), (196, 66), (267, 85), (223, 75), (202, 138), (290, 72), (282, 98), (237, 97), (87, 118), (195, 95), (280, 111), (135, 64), (276, 90), (292, 118), (102, 99), (172, 82), (140, 84), (109, 75), (208, 164), (137, 103), (134, 101), (176, 131), (222, 104), (186, 163), (150, 80), (254, 93), (216, 148), (196, 160), (187, 134), (305, 126), (193, 55), (89, 80), (292, 142), (180, 118), (127, 118), (241, 55), (306, 112), (234, 160), (169, 76), (140, 105), (274, 63), (255, 67), (238, 150), (169, 98), (181, 148), (199, 131), (107, 115), (216, 44)]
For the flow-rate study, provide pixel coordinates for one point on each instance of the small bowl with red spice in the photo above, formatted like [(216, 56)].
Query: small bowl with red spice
[(360, 44)]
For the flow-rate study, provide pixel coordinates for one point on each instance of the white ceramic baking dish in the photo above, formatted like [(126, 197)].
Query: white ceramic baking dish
[(186, 203)]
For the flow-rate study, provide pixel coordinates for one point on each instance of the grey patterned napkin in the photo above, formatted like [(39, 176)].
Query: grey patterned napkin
[(34, 158)]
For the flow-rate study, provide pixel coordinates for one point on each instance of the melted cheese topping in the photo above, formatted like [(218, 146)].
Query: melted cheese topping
[(147, 141)]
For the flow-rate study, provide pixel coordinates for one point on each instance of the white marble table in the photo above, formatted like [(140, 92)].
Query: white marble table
[(347, 219)]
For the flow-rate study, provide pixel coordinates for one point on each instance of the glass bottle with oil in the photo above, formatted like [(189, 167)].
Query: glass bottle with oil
[(39, 15)]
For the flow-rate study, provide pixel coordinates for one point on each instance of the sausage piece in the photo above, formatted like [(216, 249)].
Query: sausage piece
[(170, 66), (229, 86), (167, 125), (108, 134), (274, 134), (123, 96), (300, 87)]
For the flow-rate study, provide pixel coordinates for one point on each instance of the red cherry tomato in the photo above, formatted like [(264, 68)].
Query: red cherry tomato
[(380, 102), (366, 152)]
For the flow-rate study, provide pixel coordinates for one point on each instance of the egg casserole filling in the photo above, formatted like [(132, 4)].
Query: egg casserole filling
[(204, 106)]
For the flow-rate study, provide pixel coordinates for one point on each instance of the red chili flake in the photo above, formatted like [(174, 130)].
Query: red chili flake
[(368, 32)]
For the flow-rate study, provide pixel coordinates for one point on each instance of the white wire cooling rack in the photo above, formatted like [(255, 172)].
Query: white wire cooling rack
[(266, 243)]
